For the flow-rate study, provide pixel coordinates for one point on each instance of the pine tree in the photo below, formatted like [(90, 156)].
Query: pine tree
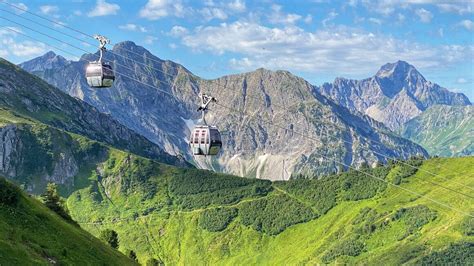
[(110, 237), (54, 202)]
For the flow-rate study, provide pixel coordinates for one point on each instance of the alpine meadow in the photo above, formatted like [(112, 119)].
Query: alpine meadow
[(236, 150)]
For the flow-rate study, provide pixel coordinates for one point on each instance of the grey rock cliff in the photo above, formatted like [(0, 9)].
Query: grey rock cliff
[(278, 123)]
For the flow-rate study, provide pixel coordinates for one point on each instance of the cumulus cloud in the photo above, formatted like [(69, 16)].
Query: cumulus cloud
[(49, 9), (156, 9), (178, 31), (337, 49), (9, 46), (462, 81), (278, 17), (103, 8), (210, 13), (150, 39), (376, 21), (133, 27), (468, 24), (460, 7), (424, 15), (237, 6)]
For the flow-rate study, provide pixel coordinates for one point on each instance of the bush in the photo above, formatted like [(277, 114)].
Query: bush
[(110, 237), (154, 262), (132, 255), (467, 226), (351, 247), (455, 254), (275, 214), (54, 202), (193, 188), (9, 194), (215, 220), (358, 185), (414, 218)]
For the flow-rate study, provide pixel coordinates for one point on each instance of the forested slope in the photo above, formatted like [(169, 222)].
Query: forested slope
[(184, 216)]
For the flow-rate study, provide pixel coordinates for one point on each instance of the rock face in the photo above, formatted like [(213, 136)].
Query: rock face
[(444, 130), (32, 97), (274, 124), (395, 95)]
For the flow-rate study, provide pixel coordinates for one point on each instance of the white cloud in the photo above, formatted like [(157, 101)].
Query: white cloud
[(468, 24), (308, 19), (21, 8), (237, 5), (150, 39), (424, 15), (462, 81), (278, 17), (156, 9), (103, 8), (341, 49), (376, 21), (132, 27), (77, 12), (331, 16), (460, 7), (178, 31), (210, 13), (49, 9), (10, 46)]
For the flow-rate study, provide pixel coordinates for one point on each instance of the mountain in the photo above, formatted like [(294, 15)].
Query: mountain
[(186, 216), (183, 215), (443, 130), (31, 97), (395, 95), (253, 146), (31, 234)]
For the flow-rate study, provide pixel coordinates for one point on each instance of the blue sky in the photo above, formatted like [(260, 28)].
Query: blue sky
[(316, 39)]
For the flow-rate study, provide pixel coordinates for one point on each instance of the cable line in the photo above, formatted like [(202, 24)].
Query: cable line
[(329, 159), (285, 108)]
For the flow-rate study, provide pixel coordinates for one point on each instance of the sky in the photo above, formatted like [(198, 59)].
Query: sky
[(318, 40)]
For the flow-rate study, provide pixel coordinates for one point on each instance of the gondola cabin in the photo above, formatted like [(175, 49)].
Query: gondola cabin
[(99, 75), (205, 140)]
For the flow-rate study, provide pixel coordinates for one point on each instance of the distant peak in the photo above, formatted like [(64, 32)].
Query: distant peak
[(397, 69), (49, 54)]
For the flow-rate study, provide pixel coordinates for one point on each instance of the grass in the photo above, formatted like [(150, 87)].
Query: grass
[(31, 234), (175, 235)]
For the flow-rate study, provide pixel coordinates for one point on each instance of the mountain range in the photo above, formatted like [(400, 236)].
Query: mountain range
[(170, 214), (360, 120)]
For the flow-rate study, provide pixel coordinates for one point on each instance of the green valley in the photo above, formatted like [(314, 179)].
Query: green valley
[(197, 216)]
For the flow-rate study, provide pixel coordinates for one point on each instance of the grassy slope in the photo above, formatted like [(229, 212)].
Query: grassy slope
[(31, 234), (172, 233), (444, 130)]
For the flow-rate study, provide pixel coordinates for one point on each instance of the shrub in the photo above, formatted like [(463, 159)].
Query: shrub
[(455, 254), (215, 220), (154, 262), (350, 247), (275, 214), (54, 202), (9, 194), (132, 255), (110, 237), (414, 218)]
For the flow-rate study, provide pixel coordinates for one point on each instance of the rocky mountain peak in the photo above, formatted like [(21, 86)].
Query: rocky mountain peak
[(396, 70), (49, 60)]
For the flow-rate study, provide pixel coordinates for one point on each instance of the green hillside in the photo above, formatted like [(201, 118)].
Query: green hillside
[(443, 130), (185, 216), (31, 234)]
